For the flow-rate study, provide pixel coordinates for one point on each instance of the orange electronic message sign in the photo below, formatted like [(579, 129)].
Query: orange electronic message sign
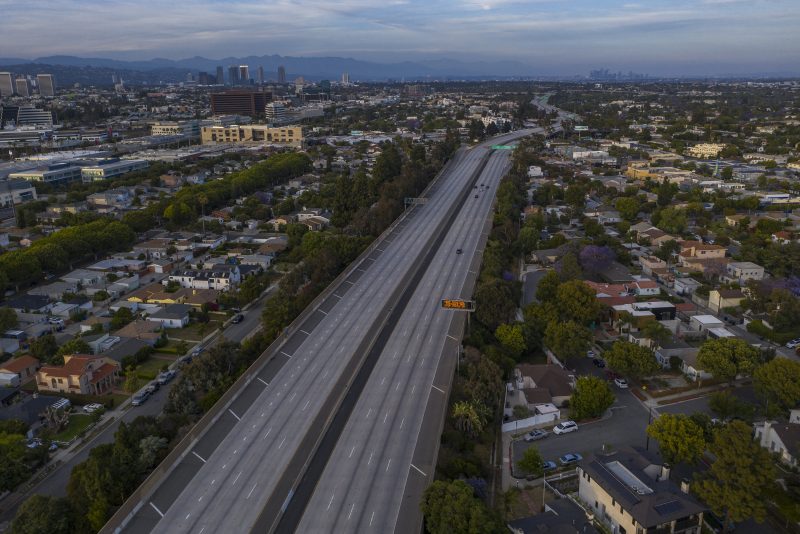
[(457, 304)]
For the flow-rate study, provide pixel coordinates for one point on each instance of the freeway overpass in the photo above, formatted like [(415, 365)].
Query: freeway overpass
[(250, 452)]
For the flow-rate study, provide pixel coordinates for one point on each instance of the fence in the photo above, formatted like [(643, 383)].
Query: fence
[(524, 424)]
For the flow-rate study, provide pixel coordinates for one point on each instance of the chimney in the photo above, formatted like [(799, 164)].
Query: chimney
[(685, 485), (665, 469)]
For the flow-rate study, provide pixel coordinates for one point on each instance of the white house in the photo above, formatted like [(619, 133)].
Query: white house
[(704, 323), (742, 271), (782, 439), (172, 316)]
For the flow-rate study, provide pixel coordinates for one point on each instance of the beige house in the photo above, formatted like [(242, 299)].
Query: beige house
[(631, 492), (81, 373), (719, 299)]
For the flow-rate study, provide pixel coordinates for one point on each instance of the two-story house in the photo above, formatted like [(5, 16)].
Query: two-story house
[(741, 271), (221, 277), (630, 491), (782, 439), (81, 373)]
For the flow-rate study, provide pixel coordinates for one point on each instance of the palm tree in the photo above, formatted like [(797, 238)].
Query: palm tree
[(467, 418)]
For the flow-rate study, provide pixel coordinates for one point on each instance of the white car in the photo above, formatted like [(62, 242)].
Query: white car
[(565, 427), (793, 344), (91, 408), (621, 383)]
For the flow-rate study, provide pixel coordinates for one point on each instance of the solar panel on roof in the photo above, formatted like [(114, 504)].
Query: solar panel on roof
[(668, 507)]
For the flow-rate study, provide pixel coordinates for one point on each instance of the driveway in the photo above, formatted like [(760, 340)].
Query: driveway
[(530, 281), (624, 426)]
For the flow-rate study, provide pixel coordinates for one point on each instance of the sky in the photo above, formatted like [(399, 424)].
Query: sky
[(659, 37)]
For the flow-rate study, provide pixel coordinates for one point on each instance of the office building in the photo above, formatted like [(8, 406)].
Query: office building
[(244, 74), (23, 87), (56, 173), (260, 76), (6, 84), (706, 150), (47, 84), (233, 75), (110, 168), (253, 133), (191, 128), (345, 78), (239, 102), (220, 75), (30, 116), (14, 192), (281, 74), (276, 113)]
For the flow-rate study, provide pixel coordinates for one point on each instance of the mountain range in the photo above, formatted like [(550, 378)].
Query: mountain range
[(312, 68)]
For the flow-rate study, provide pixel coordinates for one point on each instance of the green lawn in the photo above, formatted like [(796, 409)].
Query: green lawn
[(194, 332), (77, 424), (150, 368)]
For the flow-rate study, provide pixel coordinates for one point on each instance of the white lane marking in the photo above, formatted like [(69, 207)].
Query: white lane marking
[(451, 337), (262, 381), (233, 414), (287, 355), (201, 530), (335, 295), (156, 509), (351, 510), (397, 386), (379, 249), (304, 332), (388, 464), (267, 434), (352, 451), (187, 516), (440, 390), (371, 518), (395, 355), (369, 412), (252, 490), (293, 396), (418, 469), (235, 451), (401, 423), (422, 361), (370, 457), (331, 501), (322, 312), (212, 482), (282, 442), (349, 282), (385, 417), (235, 480), (306, 406), (361, 270), (201, 458), (383, 380), (413, 388)]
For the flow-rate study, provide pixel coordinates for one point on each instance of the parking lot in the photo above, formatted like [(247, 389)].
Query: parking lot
[(625, 426)]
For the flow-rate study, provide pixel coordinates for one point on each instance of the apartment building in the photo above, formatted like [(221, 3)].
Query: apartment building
[(253, 133), (742, 271), (705, 150)]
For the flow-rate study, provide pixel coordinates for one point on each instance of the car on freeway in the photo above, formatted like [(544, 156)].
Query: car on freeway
[(238, 318), (93, 407), (166, 376), (599, 363), (565, 427), (476, 196), (548, 465), (535, 435), (459, 251), (621, 383), (140, 398), (570, 458)]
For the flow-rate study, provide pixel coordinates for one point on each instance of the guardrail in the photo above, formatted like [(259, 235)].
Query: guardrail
[(134, 502)]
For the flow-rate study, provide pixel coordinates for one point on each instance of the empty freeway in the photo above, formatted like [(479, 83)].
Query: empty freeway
[(255, 450)]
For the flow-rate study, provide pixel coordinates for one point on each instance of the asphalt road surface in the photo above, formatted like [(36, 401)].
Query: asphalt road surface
[(365, 482), (223, 482)]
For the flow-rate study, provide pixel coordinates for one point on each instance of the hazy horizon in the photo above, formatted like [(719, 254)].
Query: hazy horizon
[(552, 37)]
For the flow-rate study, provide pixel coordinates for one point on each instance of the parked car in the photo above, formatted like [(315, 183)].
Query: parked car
[(196, 352), (590, 354), (238, 318), (140, 398), (570, 458), (793, 344), (94, 407), (535, 435), (548, 465), (153, 387), (37, 442), (166, 376), (599, 363), (61, 404), (621, 383), (565, 427)]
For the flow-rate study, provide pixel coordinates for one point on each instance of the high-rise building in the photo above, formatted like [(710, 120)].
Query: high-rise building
[(220, 75), (244, 74), (239, 102), (281, 74), (260, 75), (233, 75), (276, 113), (23, 87), (345, 78), (6, 84), (47, 84), (189, 77), (202, 78)]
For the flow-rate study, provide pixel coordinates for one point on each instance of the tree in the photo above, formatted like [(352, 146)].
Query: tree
[(132, 381), (567, 339), (41, 514), (531, 462), (74, 346), (726, 406), (657, 332), (468, 418), (121, 317), (8, 319), (631, 360), (735, 485), (495, 303), (591, 398), (568, 267), (44, 348), (667, 249), (725, 358), (577, 302), (14, 468), (778, 383), (671, 220), (679, 438), (511, 337), (452, 507), (548, 284), (628, 207)]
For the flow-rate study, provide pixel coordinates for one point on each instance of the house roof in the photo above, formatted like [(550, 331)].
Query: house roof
[(561, 516), (27, 302), (537, 395), (632, 480), (790, 436), (547, 376), (18, 364), (173, 311), (731, 293)]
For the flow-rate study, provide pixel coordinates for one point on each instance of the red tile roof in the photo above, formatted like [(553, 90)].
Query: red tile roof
[(19, 364)]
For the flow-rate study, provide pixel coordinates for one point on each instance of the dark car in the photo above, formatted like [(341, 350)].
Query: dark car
[(599, 363), (476, 196), (238, 318), (459, 251)]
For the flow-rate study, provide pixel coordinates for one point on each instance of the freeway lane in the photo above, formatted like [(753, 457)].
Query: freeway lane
[(362, 487), (227, 467)]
